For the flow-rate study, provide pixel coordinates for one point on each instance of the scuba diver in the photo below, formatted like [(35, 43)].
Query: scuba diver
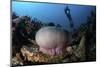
[(68, 14)]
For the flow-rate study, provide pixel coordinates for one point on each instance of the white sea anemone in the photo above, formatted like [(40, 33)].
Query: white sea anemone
[(52, 40)]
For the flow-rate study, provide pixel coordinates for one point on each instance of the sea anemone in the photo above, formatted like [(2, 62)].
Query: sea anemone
[(52, 40)]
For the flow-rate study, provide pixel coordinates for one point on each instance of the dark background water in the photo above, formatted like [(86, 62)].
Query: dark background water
[(47, 12)]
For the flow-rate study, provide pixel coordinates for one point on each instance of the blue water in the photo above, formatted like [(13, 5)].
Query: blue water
[(53, 12)]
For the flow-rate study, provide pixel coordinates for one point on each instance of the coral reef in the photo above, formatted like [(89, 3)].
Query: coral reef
[(25, 49)]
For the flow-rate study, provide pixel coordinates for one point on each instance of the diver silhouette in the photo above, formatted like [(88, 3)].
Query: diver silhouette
[(68, 14)]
